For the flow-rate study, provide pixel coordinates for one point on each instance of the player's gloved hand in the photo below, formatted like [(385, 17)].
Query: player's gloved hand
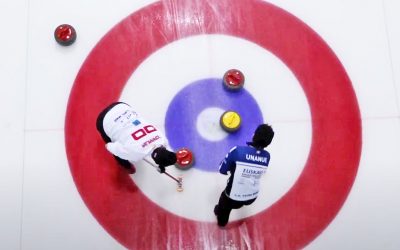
[(161, 169), (164, 157)]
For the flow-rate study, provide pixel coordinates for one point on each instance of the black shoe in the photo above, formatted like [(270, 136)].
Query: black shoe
[(130, 169), (216, 210), (221, 226)]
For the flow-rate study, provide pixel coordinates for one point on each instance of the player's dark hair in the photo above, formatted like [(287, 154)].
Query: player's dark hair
[(263, 136)]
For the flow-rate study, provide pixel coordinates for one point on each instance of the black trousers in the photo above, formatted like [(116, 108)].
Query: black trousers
[(224, 207), (99, 125)]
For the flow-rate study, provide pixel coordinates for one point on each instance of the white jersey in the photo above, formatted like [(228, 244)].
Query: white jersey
[(132, 138)]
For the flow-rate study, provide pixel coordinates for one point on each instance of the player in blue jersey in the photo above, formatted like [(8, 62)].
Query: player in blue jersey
[(130, 138), (246, 165)]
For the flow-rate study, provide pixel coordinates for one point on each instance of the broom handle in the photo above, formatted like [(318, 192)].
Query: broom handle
[(172, 177)]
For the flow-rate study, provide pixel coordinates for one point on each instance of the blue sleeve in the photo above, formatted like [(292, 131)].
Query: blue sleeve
[(228, 161)]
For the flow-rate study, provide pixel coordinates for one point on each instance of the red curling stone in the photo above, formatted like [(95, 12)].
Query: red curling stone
[(185, 159), (233, 80), (65, 34)]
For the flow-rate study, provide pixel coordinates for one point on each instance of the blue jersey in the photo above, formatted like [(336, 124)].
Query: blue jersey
[(246, 165)]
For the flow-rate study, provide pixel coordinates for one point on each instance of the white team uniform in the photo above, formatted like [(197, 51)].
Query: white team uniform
[(132, 137)]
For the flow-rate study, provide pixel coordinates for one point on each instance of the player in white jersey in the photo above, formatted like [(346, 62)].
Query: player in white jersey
[(246, 165), (130, 138)]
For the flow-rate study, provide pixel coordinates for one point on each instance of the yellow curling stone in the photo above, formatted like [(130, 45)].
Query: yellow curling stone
[(230, 121)]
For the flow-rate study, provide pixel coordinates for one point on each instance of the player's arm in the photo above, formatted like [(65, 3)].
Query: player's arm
[(228, 161), (117, 149)]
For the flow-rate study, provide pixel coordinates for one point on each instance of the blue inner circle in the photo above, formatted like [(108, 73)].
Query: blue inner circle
[(188, 103)]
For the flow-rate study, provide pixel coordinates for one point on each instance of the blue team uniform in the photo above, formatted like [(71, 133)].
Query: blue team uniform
[(246, 165)]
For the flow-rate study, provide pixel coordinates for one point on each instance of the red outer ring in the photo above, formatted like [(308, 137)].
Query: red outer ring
[(293, 221)]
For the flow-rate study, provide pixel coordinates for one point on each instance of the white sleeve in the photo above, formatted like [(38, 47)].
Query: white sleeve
[(117, 149)]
